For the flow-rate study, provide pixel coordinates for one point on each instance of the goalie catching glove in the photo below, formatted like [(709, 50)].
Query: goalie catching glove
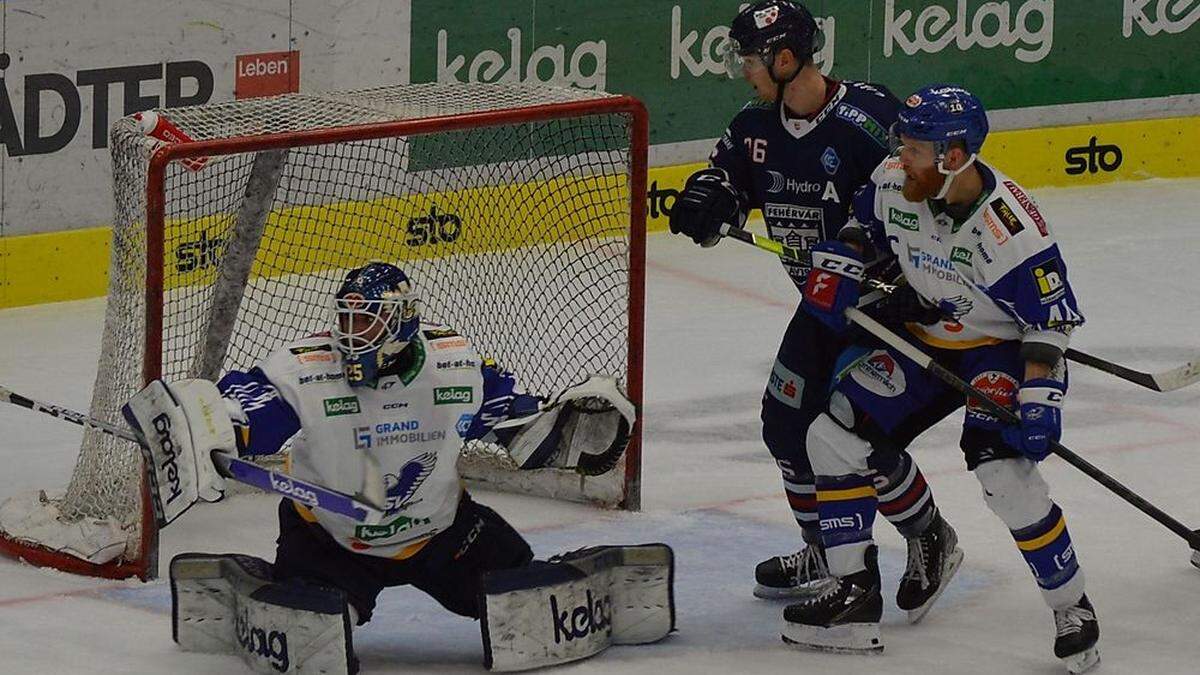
[(184, 424), (584, 428)]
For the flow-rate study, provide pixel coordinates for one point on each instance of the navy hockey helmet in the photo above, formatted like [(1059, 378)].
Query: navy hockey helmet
[(376, 314), (764, 28), (943, 113)]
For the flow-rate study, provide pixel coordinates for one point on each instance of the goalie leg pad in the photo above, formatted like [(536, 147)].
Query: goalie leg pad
[(228, 603), (576, 605)]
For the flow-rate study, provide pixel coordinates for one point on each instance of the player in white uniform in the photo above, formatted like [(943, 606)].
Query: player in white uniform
[(384, 397), (971, 242)]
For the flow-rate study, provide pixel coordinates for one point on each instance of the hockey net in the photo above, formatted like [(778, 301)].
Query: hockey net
[(517, 210)]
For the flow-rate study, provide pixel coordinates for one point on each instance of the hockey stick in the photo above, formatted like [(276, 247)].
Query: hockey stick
[(1168, 380), (1192, 537), (313, 495)]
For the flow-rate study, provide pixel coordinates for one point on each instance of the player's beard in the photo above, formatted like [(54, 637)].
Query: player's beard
[(922, 185)]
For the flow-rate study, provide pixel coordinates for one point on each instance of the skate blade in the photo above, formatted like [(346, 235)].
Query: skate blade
[(1083, 661), (850, 638), (953, 561), (804, 591)]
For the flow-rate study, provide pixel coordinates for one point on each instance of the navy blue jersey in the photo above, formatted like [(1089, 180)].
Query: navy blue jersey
[(803, 174)]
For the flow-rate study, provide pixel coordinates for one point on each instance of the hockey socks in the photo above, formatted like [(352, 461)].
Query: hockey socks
[(1046, 546), (846, 505), (905, 498)]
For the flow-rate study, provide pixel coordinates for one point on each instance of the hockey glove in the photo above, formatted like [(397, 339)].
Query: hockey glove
[(833, 283), (184, 423), (708, 200), (1041, 418), (585, 428), (904, 305)]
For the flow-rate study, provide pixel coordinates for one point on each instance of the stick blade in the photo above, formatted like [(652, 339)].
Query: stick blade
[(1183, 376)]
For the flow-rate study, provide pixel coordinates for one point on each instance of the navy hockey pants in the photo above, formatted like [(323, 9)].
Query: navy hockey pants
[(797, 391), (449, 568)]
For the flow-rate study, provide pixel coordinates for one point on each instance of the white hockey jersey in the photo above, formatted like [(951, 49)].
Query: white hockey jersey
[(998, 273), (413, 424)]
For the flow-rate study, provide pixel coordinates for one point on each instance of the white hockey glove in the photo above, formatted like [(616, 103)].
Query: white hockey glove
[(584, 428), (184, 423)]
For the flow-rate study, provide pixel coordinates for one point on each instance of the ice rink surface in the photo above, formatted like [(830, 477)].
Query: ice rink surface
[(711, 490)]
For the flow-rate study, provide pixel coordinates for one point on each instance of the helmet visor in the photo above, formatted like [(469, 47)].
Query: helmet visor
[(735, 57), (362, 326)]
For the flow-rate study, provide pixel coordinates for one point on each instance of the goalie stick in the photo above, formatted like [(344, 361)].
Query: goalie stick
[(1168, 380), (1192, 537), (357, 507)]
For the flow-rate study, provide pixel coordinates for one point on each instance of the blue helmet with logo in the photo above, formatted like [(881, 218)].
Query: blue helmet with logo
[(943, 113), (376, 314), (766, 27)]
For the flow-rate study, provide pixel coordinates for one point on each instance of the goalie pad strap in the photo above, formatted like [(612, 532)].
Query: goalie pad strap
[(575, 606), (228, 604)]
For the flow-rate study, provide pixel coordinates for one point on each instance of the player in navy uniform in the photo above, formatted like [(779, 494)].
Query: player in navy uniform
[(799, 152)]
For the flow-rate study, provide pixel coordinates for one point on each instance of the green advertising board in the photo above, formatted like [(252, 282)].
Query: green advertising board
[(1014, 54)]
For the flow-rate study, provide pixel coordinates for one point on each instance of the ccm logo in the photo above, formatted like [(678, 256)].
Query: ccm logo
[(1092, 158), (843, 266)]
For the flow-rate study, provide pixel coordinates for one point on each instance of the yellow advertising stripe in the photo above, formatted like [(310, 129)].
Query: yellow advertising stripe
[(845, 495), (73, 264), (1098, 153), (310, 239), (1039, 542), (54, 266)]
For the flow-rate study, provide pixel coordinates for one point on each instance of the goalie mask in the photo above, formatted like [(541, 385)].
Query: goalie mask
[(376, 314)]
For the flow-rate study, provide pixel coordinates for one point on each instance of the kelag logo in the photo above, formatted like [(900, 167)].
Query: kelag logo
[(586, 67), (1167, 16), (269, 645), (993, 24), (1092, 158)]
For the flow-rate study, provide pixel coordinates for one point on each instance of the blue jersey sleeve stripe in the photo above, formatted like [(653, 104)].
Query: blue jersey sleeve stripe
[(272, 420)]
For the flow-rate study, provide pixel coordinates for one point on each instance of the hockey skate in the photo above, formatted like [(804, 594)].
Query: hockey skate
[(802, 574), (933, 558), (843, 618), (1076, 635)]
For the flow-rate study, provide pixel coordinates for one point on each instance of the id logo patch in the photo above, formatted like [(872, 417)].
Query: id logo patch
[(1048, 278)]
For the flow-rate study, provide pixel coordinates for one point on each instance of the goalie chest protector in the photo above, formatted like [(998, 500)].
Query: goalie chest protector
[(412, 424)]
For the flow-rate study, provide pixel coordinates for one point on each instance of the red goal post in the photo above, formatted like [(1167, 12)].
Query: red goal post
[(518, 210)]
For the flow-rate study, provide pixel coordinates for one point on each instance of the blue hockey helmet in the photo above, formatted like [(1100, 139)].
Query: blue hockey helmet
[(764, 28), (943, 113), (376, 314)]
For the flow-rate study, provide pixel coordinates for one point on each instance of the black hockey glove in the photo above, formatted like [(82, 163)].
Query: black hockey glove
[(708, 200), (903, 306)]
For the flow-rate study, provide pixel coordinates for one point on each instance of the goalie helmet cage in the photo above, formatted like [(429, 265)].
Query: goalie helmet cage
[(518, 210)]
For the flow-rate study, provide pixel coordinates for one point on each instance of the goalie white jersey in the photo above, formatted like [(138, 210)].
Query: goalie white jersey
[(413, 423)]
